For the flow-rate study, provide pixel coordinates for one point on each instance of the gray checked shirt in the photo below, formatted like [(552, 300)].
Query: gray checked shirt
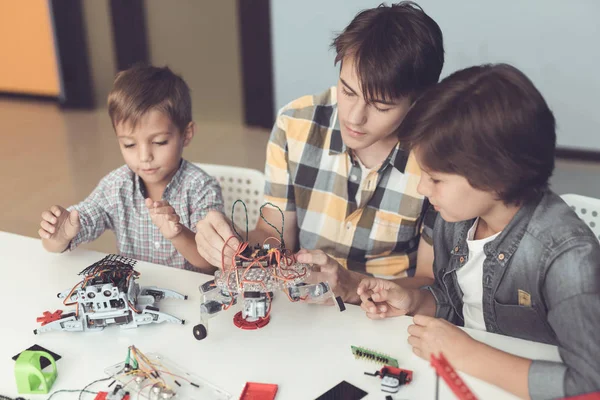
[(117, 203)]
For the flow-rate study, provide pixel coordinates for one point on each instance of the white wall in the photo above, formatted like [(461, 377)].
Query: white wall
[(555, 42)]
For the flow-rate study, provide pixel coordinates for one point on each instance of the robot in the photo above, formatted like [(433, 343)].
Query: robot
[(109, 295), (255, 273)]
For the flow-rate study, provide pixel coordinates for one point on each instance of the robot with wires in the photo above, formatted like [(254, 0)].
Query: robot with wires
[(109, 294), (255, 272)]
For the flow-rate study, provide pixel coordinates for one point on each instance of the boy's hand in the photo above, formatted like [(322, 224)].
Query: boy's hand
[(164, 217), (341, 281), (381, 298), (59, 225), (431, 335)]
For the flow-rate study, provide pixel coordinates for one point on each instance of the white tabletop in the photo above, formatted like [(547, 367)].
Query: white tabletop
[(305, 349)]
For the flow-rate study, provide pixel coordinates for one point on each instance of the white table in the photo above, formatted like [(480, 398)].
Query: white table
[(305, 349)]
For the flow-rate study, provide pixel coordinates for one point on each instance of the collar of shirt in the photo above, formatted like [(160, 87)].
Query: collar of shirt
[(172, 186), (507, 242), (398, 157)]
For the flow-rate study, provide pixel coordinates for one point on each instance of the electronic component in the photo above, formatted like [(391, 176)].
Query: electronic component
[(392, 378), (153, 377), (366, 354), (109, 294)]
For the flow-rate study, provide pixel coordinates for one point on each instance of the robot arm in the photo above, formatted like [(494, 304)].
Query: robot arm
[(213, 301)]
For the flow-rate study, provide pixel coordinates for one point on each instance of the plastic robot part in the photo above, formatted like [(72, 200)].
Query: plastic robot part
[(48, 317), (370, 355), (109, 295), (259, 391), (392, 378), (261, 275), (29, 375), (452, 379), (243, 323)]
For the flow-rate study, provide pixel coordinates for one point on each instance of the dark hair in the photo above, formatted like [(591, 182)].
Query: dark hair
[(398, 50), (143, 88), (488, 124)]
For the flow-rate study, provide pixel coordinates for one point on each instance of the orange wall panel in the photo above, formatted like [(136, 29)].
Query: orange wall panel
[(28, 60)]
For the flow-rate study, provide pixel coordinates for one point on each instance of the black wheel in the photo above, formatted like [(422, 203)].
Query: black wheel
[(200, 332)]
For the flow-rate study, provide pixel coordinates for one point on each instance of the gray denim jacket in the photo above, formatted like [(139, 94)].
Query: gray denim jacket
[(541, 282)]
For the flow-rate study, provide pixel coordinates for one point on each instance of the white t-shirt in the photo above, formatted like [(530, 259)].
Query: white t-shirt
[(470, 279)]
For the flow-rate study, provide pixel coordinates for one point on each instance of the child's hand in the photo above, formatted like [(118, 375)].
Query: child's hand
[(59, 225), (381, 298), (431, 335), (164, 217)]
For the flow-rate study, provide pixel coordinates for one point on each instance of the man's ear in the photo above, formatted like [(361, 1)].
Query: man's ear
[(188, 133)]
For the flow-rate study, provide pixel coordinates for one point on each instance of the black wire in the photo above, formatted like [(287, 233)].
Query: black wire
[(233, 221), (96, 381), (270, 224), (71, 391)]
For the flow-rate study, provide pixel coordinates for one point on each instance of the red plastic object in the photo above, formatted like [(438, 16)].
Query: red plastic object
[(258, 391), (240, 322), (588, 396), (103, 395), (445, 370), (388, 370), (49, 317)]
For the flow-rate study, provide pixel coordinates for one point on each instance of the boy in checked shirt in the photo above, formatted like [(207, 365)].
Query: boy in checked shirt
[(153, 202)]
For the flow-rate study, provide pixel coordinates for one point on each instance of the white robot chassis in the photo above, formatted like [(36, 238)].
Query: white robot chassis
[(107, 295)]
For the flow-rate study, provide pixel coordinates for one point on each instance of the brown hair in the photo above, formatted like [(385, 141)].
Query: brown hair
[(398, 50), (143, 88), (489, 124)]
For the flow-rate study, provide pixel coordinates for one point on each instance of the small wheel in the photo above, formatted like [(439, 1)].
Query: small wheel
[(200, 332)]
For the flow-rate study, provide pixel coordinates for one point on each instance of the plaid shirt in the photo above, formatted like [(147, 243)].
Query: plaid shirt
[(117, 204), (310, 171)]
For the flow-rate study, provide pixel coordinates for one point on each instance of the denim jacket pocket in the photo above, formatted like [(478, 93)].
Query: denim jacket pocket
[(523, 322)]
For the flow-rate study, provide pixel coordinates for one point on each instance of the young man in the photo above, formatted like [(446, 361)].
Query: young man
[(510, 256), (347, 187), (153, 201)]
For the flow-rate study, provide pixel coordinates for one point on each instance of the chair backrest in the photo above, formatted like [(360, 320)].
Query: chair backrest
[(587, 208), (239, 183)]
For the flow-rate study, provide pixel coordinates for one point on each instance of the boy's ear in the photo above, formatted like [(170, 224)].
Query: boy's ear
[(188, 134)]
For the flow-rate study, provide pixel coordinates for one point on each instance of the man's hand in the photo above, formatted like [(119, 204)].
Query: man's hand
[(341, 281), (381, 298), (58, 227), (431, 335), (211, 234), (164, 217)]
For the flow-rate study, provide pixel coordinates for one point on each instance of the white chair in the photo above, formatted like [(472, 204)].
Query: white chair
[(239, 183), (587, 208)]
